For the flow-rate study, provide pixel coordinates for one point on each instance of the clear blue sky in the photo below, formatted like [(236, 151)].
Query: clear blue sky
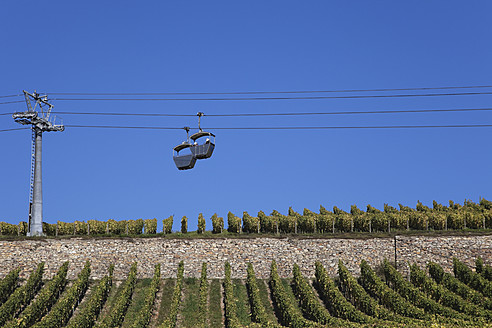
[(226, 46)]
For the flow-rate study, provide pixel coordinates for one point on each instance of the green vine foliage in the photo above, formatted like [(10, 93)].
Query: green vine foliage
[(479, 265), (356, 294), (49, 229), (484, 269), (456, 286), (184, 224), (472, 279), (473, 219), (379, 220), (305, 223), (167, 225), (375, 287), (22, 226), (201, 224), (268, 224), (43, 302), (8, 229), (150, 226), (486, 207), (116, 227), (87, 317), (80, 228), (360, 220), (96, 227), (288, 314), (309, 221), (485, 204), (143, 318), (9, 284), (439, 207), (62, 311), (455, 221), (233, 223), (286, 224), (487, 272), (258, 313), (203, 302), (445, 297), (293, 217), (171, 319), (65, 228), (437, 221), (217, 223), (117, 314), (230, 311), (310, 305), (334, 300), (470, 215), (135, 227), (368, 302), (22, 295), (397, 220), (343, 220), (415, 296), (325, 220), (418, 220), (250, 224)]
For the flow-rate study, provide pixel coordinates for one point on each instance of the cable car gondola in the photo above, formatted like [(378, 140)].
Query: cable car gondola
[(204, 150), (186, 161)]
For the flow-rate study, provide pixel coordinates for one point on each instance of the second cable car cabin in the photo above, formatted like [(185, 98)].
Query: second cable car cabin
[(182, 155), (183, 161), (204, 150)]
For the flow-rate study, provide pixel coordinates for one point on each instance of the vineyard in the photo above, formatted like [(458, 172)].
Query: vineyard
[(378, 297), (470, 215)]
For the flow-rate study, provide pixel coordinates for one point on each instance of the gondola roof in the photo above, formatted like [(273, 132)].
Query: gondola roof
[(182, 146), (201, 134)]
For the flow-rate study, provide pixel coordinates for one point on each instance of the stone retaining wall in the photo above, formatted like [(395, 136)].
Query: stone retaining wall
[(261, 251)]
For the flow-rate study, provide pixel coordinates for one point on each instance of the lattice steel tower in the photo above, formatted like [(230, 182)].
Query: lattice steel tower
[(40, 119)]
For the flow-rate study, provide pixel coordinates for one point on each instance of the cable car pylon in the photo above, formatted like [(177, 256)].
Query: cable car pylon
[(40, 119)]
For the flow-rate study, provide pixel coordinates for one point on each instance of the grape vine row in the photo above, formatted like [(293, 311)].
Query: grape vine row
[(87, 317), (117, 314), (9, 284), (63, 309), (22, 295), (170, 321), (429, 298), (143, 318)]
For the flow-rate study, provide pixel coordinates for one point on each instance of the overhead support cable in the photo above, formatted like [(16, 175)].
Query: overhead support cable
[(12, 102), (16, 129), (128, 114), (276, 127), (123, 127), (359, 112), (289, 127), (281, 114), (278, 98), (260, 92), (8, 96)]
